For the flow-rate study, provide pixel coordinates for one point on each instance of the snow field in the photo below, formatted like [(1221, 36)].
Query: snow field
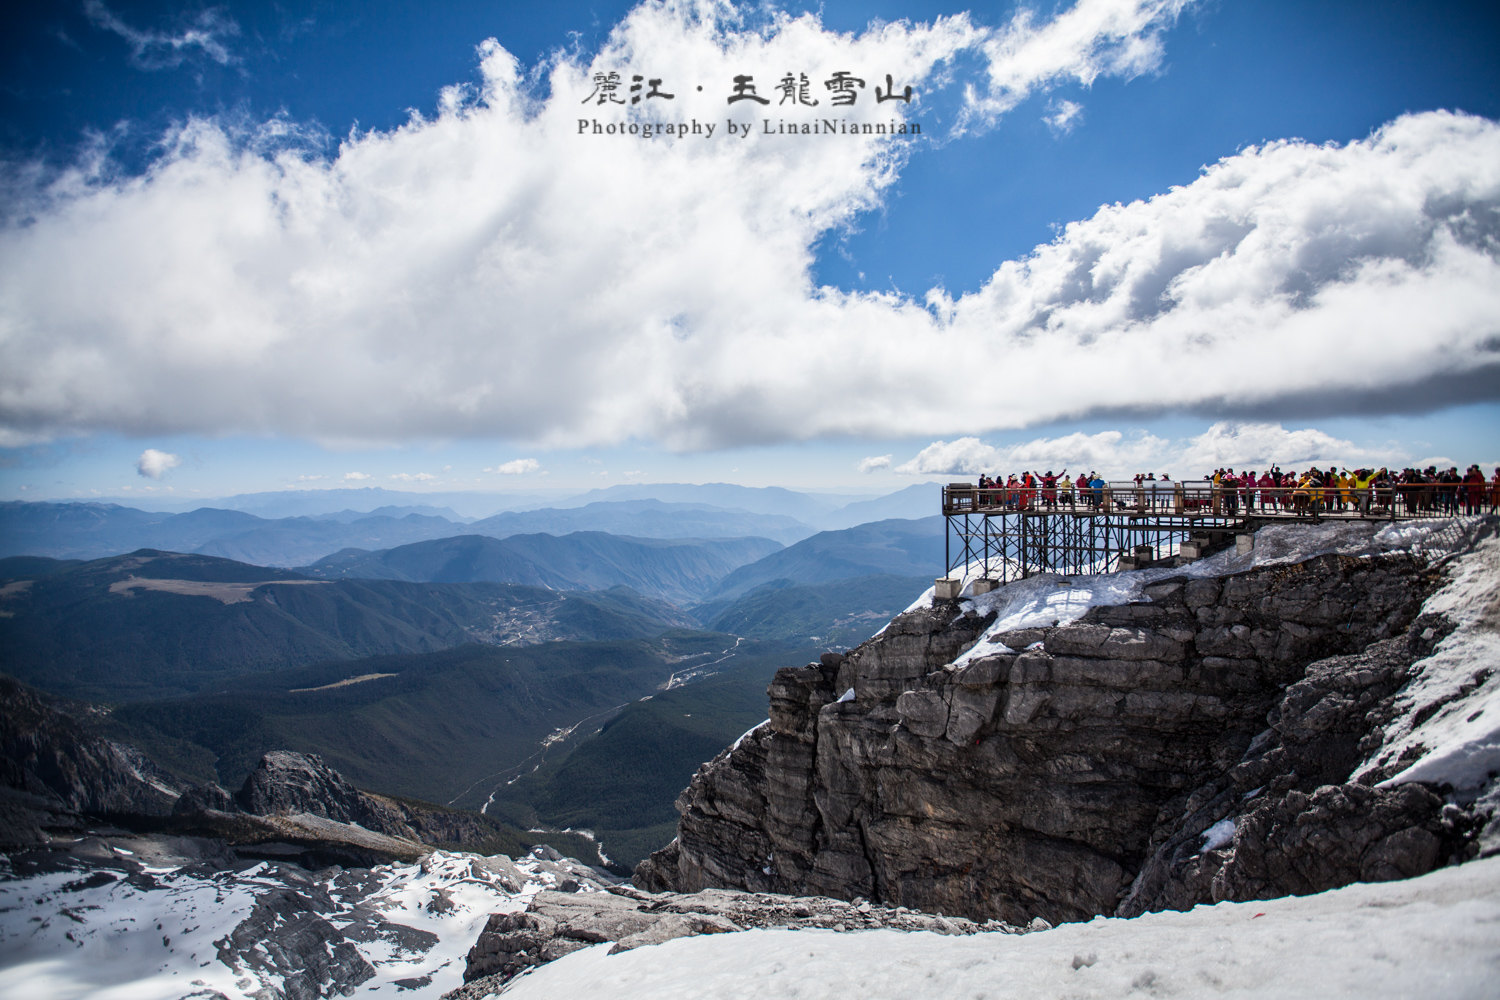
[(1438, 935), (61, 939)]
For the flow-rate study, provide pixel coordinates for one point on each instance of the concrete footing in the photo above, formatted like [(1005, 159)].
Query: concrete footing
[(946, 589)]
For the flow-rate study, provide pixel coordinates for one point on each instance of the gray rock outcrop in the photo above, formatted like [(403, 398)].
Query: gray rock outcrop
[(1079, 775), (285, 783)]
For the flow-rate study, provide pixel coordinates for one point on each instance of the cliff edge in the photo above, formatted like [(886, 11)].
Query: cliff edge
[(1252, 726)]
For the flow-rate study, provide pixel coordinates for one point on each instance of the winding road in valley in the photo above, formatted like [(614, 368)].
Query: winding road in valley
[(561, 735)]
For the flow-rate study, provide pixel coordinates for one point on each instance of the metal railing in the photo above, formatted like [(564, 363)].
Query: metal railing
[(1191, 498)]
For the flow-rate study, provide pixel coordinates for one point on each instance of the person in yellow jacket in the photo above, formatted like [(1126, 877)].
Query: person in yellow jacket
[(1362, 480), (1302, 493)]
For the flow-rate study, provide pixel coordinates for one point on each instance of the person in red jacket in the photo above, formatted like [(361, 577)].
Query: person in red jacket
[(1473, 490)]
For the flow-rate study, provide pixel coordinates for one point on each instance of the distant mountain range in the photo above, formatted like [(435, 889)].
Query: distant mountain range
[(676, 570), (912, 548), (646, 519), (836, 614), (155, 623), (326, 524), (95, 530), (821, 511), (460, 505)]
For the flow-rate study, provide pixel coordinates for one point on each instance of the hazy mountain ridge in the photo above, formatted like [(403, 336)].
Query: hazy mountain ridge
[(649, 518), (295, 527), (837, 613), (806, 507), (893, 547), (95, 531), (677, 570)]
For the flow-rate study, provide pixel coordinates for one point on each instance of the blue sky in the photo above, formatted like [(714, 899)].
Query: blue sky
[(233, 262)]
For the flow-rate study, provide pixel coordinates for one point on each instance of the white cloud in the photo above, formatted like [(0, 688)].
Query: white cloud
[(1116, 455), (516, 467), (490, 273), (874, 462), (205, 32), (1074, 452), (356, 477), (154, 464), (1091, 39), (413, 477), (1063, 116), (1256, 446)]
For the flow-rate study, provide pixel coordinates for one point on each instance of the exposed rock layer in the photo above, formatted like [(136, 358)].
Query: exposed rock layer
[(1077, 777)]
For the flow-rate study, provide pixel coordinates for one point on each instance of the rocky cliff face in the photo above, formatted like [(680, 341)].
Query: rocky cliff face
[(57, 778), (1099, 766), (51, 772)]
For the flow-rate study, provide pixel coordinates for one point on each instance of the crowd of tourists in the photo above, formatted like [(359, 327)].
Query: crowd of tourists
[(1313, 492)]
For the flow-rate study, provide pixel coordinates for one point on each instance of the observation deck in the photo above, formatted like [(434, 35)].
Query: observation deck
[(995, 536)]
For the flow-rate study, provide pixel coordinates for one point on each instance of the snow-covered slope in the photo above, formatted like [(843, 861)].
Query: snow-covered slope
[(1427, 937), (1450, 713), (154, 927)]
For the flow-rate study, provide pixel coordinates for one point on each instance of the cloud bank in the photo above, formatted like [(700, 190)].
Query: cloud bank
[(492, 273), (1117, 455)]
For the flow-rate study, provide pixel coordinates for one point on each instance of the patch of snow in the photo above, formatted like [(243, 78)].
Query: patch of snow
[(1218, 835), (1049, 599), (846, 696), (746, 734), (1459, 742)]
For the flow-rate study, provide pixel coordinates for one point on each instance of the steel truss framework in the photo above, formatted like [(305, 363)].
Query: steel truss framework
[(1007, 545)]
